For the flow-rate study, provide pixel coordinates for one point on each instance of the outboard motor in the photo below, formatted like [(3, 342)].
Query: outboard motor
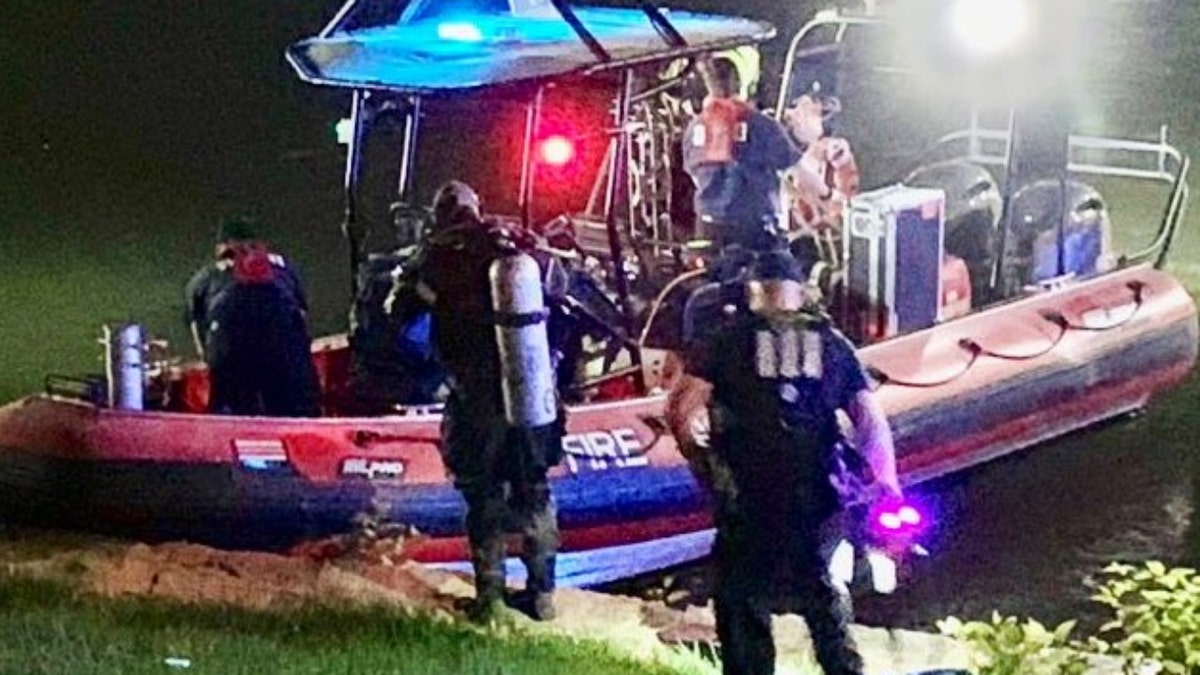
[(1059, 228), (527, 376), (125, 351), (973, 207)]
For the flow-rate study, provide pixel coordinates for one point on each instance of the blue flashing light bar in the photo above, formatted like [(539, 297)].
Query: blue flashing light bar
[(459, 31), (459, 48)]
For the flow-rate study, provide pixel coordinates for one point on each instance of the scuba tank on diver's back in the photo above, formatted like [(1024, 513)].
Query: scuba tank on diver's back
[(520, 314)]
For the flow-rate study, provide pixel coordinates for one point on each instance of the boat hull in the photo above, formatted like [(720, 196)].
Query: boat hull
[(958, 395)]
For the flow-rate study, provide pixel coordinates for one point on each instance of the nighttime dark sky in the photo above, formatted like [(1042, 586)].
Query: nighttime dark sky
[(192, 96)]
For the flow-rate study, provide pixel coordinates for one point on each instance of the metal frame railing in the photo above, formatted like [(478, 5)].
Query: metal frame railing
[(1156, 161), (1159, 160)]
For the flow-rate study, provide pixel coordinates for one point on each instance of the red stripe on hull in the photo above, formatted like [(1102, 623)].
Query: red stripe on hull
[(1049, 422)]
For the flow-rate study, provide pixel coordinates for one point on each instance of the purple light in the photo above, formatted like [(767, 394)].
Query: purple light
[(890, 521), (895, 519)]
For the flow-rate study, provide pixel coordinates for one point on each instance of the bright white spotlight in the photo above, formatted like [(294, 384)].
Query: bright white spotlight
[(988, 28)]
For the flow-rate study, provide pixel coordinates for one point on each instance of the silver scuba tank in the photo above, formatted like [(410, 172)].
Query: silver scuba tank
[(526, 375), (125, 350)]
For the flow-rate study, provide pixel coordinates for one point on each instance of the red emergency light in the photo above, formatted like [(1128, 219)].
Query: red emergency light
[(556, 150)]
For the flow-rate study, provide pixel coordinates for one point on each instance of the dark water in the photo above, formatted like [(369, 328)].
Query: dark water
[(1026, 534), (128, 128)]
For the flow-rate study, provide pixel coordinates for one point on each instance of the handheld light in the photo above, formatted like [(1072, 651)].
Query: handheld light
[(896, 519)]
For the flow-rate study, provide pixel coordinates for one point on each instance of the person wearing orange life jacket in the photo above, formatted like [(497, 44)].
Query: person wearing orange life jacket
[(826, 177), (734, 155), (247, 310)]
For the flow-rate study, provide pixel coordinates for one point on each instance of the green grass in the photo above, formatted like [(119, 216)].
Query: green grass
[(48, 629)]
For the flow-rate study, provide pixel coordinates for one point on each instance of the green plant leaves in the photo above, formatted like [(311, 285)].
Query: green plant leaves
[(1156, 615), (1155, 628), (1007, 647)]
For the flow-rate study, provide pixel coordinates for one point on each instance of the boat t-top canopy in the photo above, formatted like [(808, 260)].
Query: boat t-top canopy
[(418, 48), (429, 46)]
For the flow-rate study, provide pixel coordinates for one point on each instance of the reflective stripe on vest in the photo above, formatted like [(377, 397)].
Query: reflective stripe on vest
[(788, 353)]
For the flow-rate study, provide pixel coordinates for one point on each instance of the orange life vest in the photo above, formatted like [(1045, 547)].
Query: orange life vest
[(720, 126), (252, 264), (831, 159)]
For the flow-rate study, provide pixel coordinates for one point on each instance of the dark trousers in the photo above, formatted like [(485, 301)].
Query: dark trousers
[(767, 561), (761, 236), (250, 380), (501, 472), (495, 509)]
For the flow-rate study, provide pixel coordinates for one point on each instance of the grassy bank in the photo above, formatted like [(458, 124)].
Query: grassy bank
[(49, 629)]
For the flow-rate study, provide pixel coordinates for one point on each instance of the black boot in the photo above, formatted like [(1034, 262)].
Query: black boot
[(539, 549), (487, 559), (537, 600)]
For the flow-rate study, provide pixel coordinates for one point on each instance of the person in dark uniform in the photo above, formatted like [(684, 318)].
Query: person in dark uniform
[(248, 314), (499, 467), (392, 362), (734, 154), (756, 415)]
